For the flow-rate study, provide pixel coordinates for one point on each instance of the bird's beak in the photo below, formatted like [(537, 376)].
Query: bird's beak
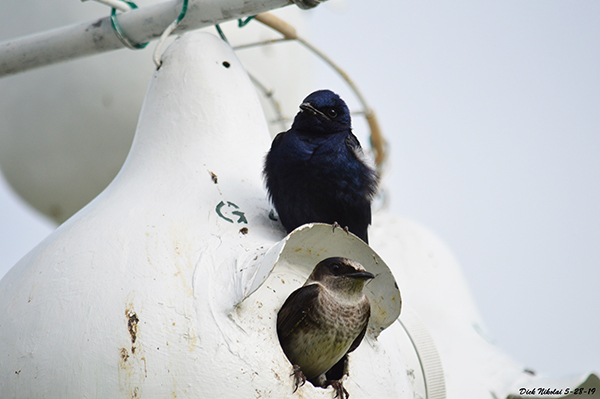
[(361, 275), (309, 107)]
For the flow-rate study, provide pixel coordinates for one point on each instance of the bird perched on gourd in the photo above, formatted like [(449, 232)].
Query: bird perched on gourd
[(323, 321), (317, 172)]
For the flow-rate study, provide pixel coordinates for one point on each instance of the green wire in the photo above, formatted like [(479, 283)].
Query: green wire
[(119, 32), (242, 23), (221, 33), (184, 8)]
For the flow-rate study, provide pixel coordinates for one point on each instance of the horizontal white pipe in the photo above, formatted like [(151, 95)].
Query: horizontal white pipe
[(139, 26)]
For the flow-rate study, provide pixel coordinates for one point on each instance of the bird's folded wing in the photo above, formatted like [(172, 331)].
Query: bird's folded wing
[(296, 309)]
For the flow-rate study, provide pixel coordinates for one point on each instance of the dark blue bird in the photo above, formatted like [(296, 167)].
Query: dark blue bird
[(316, 171)]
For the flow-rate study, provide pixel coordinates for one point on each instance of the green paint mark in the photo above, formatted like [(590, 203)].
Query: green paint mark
[(242, 218), (218, 209), (241, 215)]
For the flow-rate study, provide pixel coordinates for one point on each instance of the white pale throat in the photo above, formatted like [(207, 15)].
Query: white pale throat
[(351, 292)]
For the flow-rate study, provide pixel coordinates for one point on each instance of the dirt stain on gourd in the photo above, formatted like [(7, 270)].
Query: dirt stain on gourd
[(132, 325), (132, 361)]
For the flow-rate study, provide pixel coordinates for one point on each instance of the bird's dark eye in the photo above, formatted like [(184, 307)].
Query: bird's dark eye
[(332, 112), (335, 268)]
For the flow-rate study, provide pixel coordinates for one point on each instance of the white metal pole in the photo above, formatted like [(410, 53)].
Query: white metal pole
[(139, 26)]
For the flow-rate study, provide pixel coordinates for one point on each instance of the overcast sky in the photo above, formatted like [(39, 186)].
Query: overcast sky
[(492, 110)]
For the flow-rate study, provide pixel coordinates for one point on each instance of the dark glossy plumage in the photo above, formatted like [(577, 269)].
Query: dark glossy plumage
[(315, 172), (324, 320)]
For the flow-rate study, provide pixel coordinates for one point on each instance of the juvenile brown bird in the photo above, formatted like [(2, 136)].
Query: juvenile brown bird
[(323, 321)]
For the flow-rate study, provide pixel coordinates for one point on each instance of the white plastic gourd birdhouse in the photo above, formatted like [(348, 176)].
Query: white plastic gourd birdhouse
[(169, 282)]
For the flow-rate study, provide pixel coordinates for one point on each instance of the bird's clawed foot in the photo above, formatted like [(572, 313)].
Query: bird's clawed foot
[(340, 391), (334, 225), (299, 377)]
